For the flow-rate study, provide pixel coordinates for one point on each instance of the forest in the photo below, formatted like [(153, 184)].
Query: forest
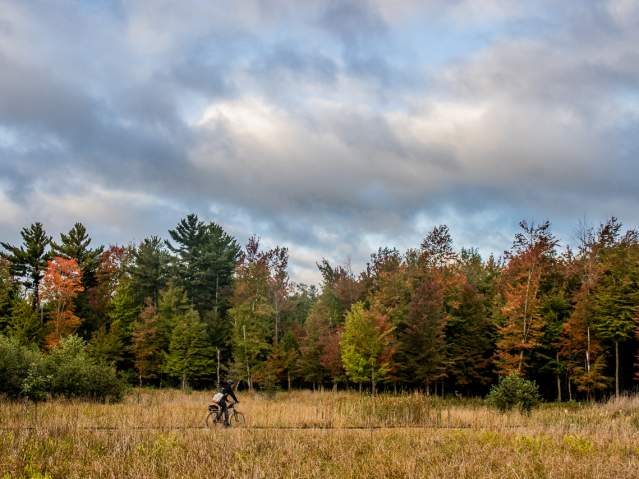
[(197, 306)]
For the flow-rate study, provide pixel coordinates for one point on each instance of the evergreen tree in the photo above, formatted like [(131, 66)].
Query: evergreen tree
[(107, 344), (205, 259), (149, 269), (75, 245), (191, 355), (616, 296), (28, 262), (173, 304), (25, 324), (123, 309), (7, 293)]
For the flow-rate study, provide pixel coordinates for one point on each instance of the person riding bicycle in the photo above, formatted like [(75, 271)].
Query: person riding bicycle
[(226, 390)]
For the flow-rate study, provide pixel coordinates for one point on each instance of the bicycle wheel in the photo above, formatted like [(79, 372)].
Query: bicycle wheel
[(238, 419), (214, 419)]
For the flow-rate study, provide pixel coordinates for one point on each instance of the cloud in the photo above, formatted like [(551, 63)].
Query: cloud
[(327, 127)]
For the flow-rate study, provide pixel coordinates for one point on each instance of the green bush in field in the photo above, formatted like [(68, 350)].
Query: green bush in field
[(67, 370), (514, 391), (14, 365)]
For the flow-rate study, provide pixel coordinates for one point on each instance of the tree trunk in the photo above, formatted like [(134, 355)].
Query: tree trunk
[(588, 350), (218, 363), (525, 325), (558, 380), (569, 390), (373, 381), (617, 369), (288, 378)]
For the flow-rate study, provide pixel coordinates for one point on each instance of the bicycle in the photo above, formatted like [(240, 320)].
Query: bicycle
[(215, 416)]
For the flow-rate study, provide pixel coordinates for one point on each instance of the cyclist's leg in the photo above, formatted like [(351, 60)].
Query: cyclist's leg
[(225, 409)]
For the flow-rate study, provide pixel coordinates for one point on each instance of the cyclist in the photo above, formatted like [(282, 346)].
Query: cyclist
[(225, 390)]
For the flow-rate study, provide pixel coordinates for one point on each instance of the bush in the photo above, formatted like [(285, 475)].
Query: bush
[(15, 361), (66, 371), (514, 391)]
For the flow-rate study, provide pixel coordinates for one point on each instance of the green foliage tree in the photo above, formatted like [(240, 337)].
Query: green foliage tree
[(149, 269), (616, 296), (513, 390), (204, 262), (29, 261), (7, 293), (191, 355), (25, 324), (367, 345), (124, 307), (106, 345)]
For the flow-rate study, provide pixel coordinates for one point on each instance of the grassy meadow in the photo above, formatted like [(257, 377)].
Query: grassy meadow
[(303, 434)]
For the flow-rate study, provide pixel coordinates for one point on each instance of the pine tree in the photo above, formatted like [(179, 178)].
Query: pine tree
[(28, 262), (205, 259), (75, 245), (149, 269)]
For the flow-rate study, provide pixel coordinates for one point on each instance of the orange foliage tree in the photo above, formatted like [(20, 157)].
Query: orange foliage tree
[(61, 284), (521, 329)]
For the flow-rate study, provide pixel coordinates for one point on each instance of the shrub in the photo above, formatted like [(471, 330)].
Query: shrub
[(14, 365), (66, 371), (514, 391), (73, 373)]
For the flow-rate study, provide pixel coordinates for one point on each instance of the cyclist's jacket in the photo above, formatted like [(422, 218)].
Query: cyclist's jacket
[(226, 391)]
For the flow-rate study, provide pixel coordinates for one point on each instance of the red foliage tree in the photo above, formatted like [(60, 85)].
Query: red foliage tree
[(61, 284)]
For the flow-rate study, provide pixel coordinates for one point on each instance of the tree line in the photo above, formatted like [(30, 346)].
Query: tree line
[(197, 306)]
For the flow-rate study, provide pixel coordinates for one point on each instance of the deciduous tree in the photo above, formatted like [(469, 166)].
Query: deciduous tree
[(61, 284)]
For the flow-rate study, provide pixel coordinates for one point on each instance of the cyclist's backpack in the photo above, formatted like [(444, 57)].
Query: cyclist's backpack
[(218, 397)]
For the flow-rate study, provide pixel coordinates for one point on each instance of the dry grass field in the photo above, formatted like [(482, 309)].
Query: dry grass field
[(302, 434)]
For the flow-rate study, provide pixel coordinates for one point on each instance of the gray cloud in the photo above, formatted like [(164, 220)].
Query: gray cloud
[(314, 125)]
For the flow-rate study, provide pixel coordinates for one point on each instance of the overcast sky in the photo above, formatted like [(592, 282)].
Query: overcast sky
[(331, 127)]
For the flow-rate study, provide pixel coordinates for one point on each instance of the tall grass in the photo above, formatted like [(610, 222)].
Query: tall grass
[(304, 434)]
